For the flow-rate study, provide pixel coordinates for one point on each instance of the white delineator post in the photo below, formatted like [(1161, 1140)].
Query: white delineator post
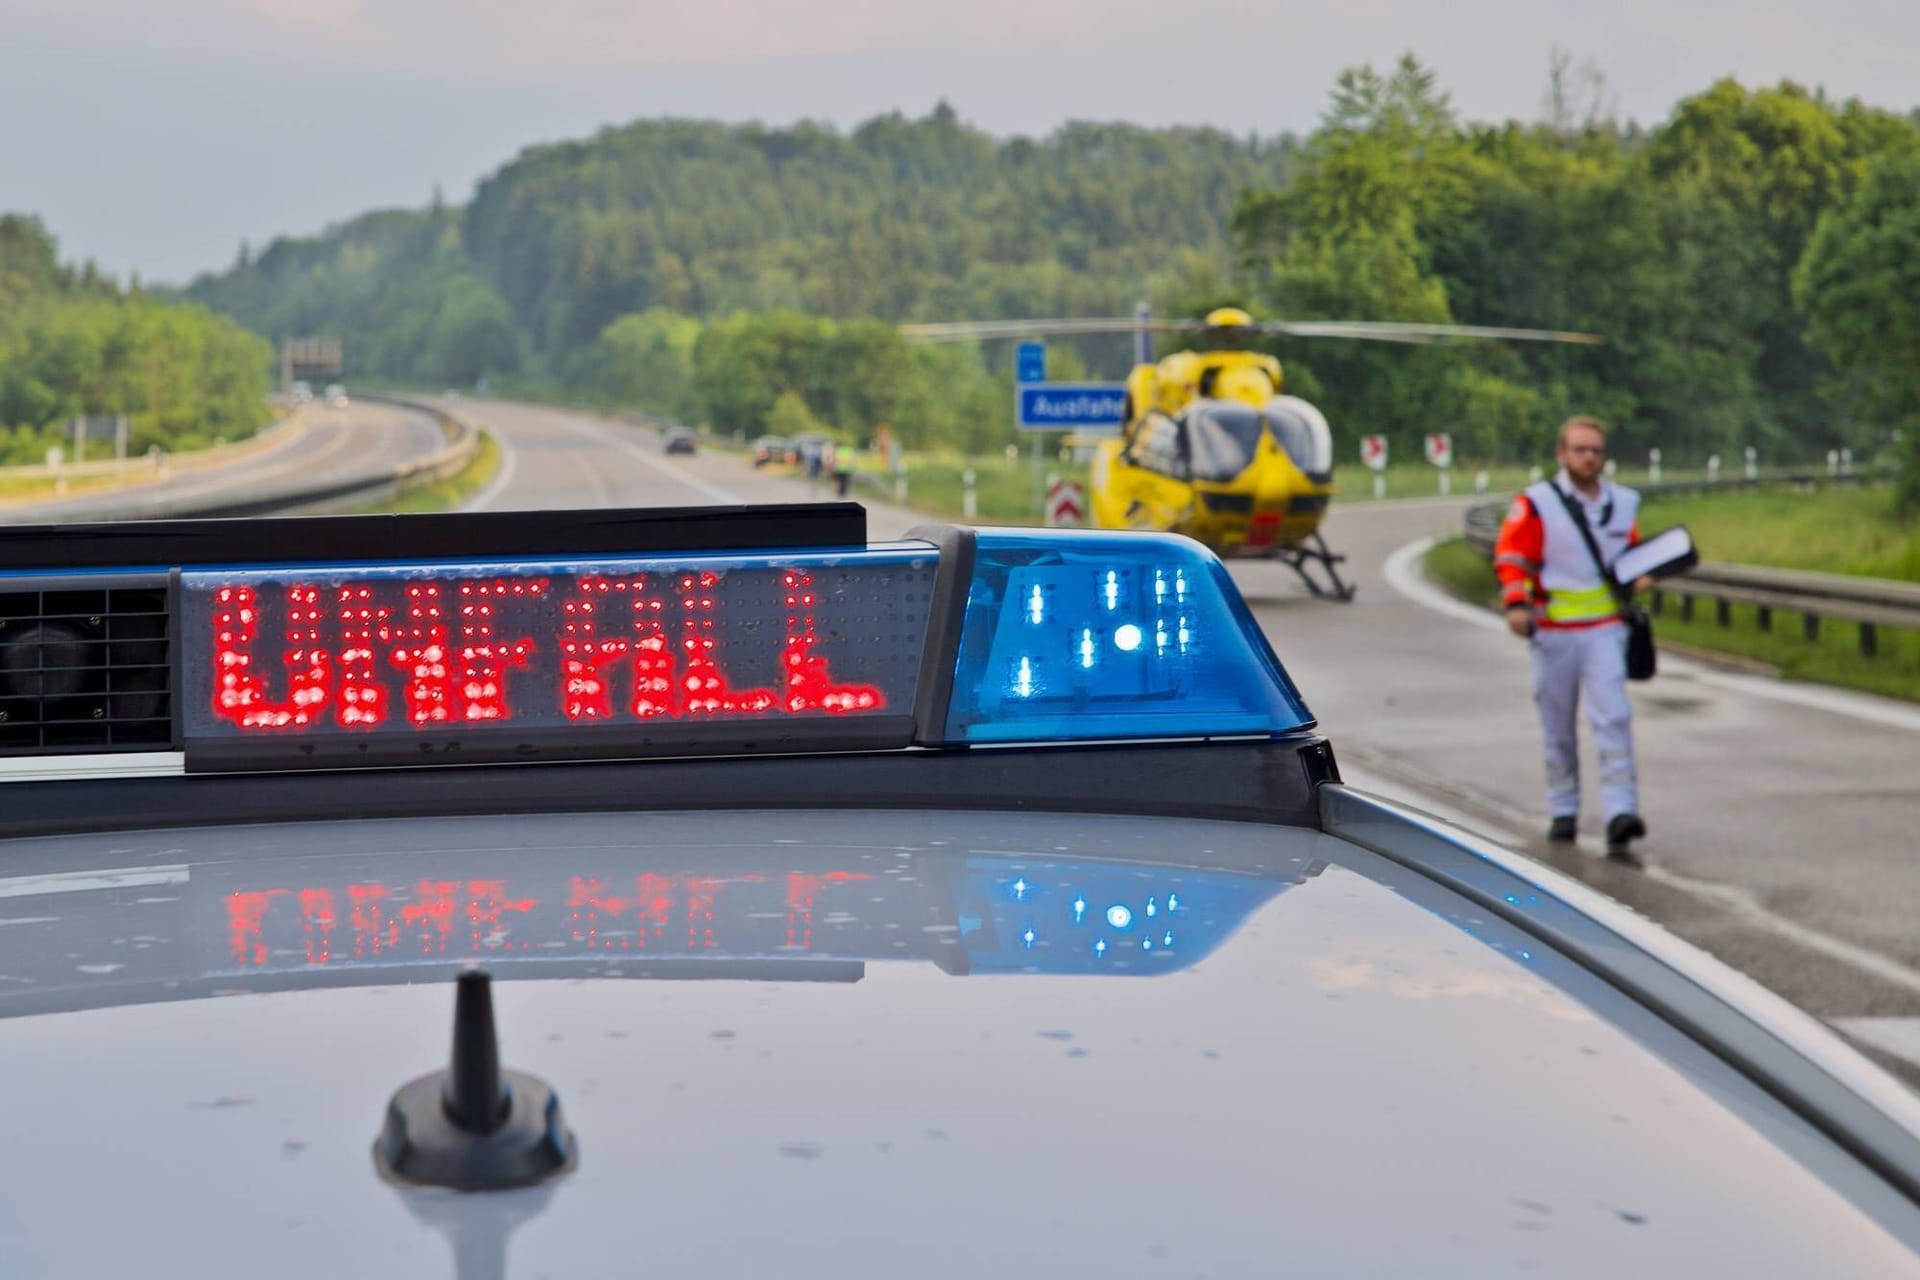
[(1753, 463), (1653, 465), (969, 502), (1713, 469)]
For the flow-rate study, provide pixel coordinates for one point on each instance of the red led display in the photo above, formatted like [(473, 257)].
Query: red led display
[(308, 653)]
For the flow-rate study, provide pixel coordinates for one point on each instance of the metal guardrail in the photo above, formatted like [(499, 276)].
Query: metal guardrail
[(1869, 603), (1481, 526), (463, 441)]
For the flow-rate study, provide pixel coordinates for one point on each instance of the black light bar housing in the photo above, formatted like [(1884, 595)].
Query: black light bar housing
[(90, 613)]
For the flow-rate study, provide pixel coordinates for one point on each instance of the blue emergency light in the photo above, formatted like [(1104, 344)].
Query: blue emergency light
[(1074, 636)]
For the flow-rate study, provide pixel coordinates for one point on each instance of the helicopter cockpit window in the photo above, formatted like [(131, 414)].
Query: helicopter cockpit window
[(1302, 431), (1156, 446), (1223, 435)]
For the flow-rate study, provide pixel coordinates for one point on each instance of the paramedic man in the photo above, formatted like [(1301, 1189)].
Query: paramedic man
[(1555, 597)]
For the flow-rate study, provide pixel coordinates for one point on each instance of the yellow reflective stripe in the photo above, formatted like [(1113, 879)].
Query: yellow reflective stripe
[(1585, 605)]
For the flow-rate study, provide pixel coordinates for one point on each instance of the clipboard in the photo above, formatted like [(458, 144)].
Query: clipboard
[(1660, 556)]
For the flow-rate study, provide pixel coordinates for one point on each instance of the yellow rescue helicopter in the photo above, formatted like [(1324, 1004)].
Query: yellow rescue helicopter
[(1211, 446)]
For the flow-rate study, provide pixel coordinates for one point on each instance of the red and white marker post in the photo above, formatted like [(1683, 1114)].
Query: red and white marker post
[(1066, 503), (1440, 454), (1373, 453)]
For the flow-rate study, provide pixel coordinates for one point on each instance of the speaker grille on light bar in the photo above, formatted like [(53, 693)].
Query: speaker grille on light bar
[(84, 667)]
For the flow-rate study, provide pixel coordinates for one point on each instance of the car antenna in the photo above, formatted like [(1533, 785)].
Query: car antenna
[(474, 1126)]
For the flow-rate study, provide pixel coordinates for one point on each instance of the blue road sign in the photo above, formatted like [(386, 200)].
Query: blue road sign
[(1063, 406), (1030, 362)]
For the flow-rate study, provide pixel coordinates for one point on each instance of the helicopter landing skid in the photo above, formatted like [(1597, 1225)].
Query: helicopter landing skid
[(1317, 552)]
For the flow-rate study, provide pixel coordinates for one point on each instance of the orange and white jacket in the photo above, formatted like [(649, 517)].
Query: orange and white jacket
[(1542, 560)]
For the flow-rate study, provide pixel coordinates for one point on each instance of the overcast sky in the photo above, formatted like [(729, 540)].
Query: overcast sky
[(155, 135)]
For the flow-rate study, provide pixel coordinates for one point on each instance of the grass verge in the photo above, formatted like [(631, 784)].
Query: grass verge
[(1831, 658), (444, 495), (16, 490), (1463, 572), (1833, 529), (936, 484)]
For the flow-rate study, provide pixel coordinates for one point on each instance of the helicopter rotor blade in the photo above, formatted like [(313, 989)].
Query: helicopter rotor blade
[(963, 330), (1421, 334), (1407, 333)]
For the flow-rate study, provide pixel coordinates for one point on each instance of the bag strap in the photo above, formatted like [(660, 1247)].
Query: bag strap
[(1579, 516)]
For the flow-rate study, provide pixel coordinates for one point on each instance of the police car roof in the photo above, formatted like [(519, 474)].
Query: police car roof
[(1038, 934), (816, 1041)]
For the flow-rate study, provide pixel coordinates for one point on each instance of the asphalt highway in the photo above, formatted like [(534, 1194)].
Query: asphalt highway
[(364, 439), (1782, 819)]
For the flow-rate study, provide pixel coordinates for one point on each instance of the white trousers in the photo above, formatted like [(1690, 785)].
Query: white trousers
[(1566, 664)]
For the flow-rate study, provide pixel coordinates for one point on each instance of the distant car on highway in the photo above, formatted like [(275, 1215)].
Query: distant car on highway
[(681, 440), (302, 393), (812, 446), (337, 396), (774, 450)]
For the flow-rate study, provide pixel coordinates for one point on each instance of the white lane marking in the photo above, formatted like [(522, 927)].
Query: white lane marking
[(509, 459), (1897, 1036), (1402, 571), (1845, 702), (133, 764), (1746, 905), (665, 468), (87, 881), (1743, 904)]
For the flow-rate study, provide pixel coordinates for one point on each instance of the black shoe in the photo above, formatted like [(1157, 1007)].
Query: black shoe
[(1622, 828), (1563, 830)]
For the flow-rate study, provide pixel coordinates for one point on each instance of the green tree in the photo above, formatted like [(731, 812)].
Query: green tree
[(790, 417), (473, 334), (646, 360), (1860, 286), (71, 343), (1349, 239), (1773, 161)]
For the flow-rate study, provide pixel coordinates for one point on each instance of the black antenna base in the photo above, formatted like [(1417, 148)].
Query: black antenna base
[(475, 1127)]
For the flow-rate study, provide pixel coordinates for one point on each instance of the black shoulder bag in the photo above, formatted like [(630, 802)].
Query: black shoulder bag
[(1640, 655)]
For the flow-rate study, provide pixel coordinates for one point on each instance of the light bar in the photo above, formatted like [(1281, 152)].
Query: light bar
[(1075, 636), (966, 639)]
